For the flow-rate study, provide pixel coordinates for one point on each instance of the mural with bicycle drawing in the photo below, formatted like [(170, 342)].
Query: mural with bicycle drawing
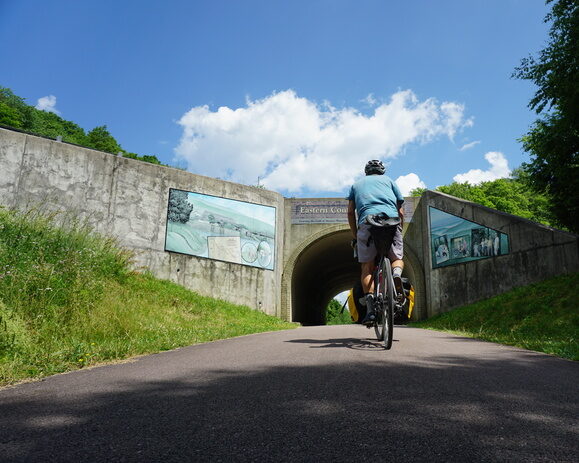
[(220, 229), (454, 240)]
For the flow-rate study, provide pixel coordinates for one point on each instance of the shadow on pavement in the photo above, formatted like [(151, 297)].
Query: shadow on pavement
[(350, 343), (451, 409)]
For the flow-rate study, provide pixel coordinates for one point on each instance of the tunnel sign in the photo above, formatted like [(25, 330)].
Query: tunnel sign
[(320, 211), (333, 210)]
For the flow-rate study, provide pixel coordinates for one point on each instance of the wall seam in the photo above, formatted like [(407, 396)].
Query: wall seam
[(20, 171)]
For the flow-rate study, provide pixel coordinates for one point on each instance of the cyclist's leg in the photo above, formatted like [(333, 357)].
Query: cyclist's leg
[(369, 290), (396, 254), (366, 255), (367, 279)]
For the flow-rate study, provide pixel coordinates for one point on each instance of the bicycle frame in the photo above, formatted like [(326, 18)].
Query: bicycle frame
[(384, 300)]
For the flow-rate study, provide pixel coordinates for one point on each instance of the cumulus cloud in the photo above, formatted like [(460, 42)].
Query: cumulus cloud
[(293, 144), (47, 103), (468, 146), (499, 169), (409, 182)]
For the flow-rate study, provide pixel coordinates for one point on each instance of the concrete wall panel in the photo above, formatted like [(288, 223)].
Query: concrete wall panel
[(11, 154), (56, 174), (536, 253), (128, 199)]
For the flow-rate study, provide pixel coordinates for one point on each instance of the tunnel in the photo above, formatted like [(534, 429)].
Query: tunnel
[(327, 267), (324, 269)]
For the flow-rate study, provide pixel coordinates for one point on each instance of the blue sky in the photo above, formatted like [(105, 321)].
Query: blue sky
[(297, 93)]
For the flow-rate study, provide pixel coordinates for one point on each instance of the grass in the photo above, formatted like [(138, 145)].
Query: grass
[(69, 299), (543, 317)]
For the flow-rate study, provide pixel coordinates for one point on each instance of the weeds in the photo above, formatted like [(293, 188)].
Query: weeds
[(68, 299), (542, 317)]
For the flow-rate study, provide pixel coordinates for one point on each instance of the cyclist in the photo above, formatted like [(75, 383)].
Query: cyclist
[(374, 194)]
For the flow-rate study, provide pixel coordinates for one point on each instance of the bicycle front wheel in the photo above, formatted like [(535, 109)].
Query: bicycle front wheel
[(387, 297), (379, 323)]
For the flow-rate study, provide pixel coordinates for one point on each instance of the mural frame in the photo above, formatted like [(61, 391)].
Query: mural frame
[(463, 240), (271, 241)]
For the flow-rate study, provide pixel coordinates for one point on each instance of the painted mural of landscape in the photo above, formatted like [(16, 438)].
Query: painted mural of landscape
[(221, 229), (455, 240)]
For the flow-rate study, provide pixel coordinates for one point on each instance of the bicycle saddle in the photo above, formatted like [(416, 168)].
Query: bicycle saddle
[(382, 220)]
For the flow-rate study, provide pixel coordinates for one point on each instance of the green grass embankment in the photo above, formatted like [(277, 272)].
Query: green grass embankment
[(543, 317), (69, 299)]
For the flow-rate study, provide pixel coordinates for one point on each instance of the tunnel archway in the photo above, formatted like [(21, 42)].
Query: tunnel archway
[(322, 270), (323, 266)]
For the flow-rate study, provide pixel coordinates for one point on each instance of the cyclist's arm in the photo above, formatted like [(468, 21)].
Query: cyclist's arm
[(400, 212), (352, 218)]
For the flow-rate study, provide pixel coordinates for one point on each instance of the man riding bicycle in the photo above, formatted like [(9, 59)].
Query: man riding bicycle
[(375, 194)]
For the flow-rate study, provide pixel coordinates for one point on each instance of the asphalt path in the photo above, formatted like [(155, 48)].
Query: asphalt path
[(322, 394)]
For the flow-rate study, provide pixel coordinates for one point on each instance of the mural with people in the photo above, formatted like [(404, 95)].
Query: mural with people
[(455, 240)]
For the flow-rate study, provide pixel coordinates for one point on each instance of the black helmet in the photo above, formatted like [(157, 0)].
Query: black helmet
[(375, 167)]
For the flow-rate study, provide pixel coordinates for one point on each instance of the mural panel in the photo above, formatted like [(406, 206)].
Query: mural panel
[(454, 240), (221, 229)]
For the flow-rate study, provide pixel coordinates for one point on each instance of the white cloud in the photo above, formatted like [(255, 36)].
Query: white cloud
[(409, 182), (370, 100), (47, 103), (469, 145), (499, 169), (293, 144)]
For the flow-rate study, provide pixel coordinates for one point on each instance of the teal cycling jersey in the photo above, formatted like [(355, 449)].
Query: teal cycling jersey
[(374, 194)]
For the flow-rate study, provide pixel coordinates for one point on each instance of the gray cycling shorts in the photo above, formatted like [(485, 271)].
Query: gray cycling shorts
[(368, 253)]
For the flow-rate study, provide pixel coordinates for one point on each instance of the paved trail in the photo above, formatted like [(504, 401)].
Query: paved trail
[(323, 394)]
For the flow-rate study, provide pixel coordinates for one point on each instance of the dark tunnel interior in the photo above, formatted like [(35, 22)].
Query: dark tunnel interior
[(324, 269), (328, 267)]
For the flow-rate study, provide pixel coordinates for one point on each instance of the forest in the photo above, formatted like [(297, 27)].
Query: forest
[(16, 114)]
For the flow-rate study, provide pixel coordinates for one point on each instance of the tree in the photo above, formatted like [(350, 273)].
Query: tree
[(15, 113), (100, 139), (553, 140), (179, 207), (147, 158), (334, 314), (418, 191), (513, 195), (10, 116), (52, 125), (150, 158)]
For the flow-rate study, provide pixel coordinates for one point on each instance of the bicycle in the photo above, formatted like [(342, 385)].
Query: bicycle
[(386, 299)]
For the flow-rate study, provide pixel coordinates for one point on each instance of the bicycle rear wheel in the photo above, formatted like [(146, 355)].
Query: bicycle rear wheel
[(379, 283), (387, 297), (378, 305)]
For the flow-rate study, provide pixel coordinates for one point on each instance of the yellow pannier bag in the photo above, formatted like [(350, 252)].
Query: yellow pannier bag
[(408, 304), (358, 312), (352, 307), (410, 297)]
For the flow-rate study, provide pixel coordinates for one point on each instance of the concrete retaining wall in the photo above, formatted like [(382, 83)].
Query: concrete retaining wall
[(536, 252), (128, 199)]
